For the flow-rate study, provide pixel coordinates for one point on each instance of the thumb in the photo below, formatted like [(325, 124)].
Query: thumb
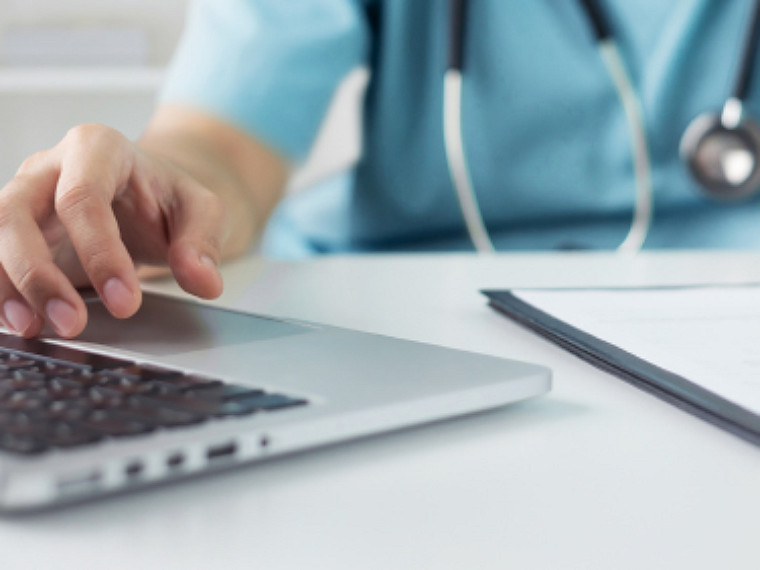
[(196, 226)]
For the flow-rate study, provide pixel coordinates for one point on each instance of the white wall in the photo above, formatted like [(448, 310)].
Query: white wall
[(37, 106), (162, 20)]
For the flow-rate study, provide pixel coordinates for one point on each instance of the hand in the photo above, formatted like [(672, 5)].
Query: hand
[(84, 213)]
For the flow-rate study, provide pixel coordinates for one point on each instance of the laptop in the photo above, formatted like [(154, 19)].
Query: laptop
[(184, 388)]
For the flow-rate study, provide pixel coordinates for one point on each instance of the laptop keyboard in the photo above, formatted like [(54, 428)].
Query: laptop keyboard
[(53, 396)]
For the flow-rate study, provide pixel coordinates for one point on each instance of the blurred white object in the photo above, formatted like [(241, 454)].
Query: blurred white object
[(75, 46), (338, 144)]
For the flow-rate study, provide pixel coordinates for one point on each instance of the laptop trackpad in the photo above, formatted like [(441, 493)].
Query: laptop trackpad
[(165, 326)]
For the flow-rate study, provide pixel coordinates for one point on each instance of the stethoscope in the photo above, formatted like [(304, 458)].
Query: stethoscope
[(721, 150)]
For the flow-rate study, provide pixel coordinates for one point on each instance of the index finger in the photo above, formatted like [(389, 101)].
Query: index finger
[(93, 169)]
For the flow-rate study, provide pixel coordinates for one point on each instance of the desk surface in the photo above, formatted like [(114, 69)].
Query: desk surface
[(596, 475)]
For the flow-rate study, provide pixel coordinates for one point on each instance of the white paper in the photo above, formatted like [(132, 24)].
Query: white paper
[(709, 335)]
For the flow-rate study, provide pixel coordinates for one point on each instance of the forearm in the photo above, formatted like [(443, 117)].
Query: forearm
[(247, 176)]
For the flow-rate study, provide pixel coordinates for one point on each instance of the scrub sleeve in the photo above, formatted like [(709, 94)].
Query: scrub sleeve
[(269, 67)]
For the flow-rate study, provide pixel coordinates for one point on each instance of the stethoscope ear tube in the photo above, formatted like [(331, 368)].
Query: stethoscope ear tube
[(452, 132), (454, 144), (457, 162), (457, 26), (642, 170)]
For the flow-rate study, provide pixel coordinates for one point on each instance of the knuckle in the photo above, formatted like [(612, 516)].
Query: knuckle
[(80, 196), (83, 132), (32, 163), (7, 199), (86, 134), (28, 277), (8, 206)]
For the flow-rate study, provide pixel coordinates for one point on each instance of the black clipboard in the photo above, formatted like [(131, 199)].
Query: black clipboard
[(664, 384)]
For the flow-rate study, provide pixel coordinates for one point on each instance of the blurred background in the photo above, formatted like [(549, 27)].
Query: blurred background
[(63, 63)]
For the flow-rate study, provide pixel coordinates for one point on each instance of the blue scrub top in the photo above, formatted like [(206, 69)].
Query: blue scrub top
[(544, 131)]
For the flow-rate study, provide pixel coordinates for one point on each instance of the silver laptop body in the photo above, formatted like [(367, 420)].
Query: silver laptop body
[(347, 384)]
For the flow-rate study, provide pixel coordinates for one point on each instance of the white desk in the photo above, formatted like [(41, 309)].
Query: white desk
[(596, 475)]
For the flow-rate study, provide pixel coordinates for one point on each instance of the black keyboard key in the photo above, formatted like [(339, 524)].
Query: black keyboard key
[(65, 410), (26, 445), (189, 382), (238, 406), (180, 402), (114, 423), (26, 426), (130, 386), (23, 402), (65, 389), (22, 380), (145, 372), (270, 402), (85, 378), (38, 349), (115, 379), (220, 391), (163, 417), (59, 370), (63, 434), (103, 398), (163, 384), (30, 375), (17, 363), (161, 389), (280, 401), (234, 408), (9, 418), (6, 355), (6, 418)]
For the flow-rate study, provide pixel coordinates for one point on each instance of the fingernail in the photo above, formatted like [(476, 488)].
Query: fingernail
[(118, 297), (18, 315), (62, 315)]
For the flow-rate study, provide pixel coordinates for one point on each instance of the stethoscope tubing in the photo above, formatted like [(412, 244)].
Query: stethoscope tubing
[(632, 107)]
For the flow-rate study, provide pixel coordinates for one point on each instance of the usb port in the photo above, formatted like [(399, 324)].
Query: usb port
[(222, 451), (134, 469), (175, 460)]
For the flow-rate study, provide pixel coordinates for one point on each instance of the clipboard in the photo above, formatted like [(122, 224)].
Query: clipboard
[(665, 384)]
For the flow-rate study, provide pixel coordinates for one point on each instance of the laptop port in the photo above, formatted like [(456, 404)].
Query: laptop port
[(134, 469), (223, 451), (175, 460)]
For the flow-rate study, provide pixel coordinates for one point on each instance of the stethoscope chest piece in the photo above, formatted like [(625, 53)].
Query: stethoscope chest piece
[(722, 153)]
